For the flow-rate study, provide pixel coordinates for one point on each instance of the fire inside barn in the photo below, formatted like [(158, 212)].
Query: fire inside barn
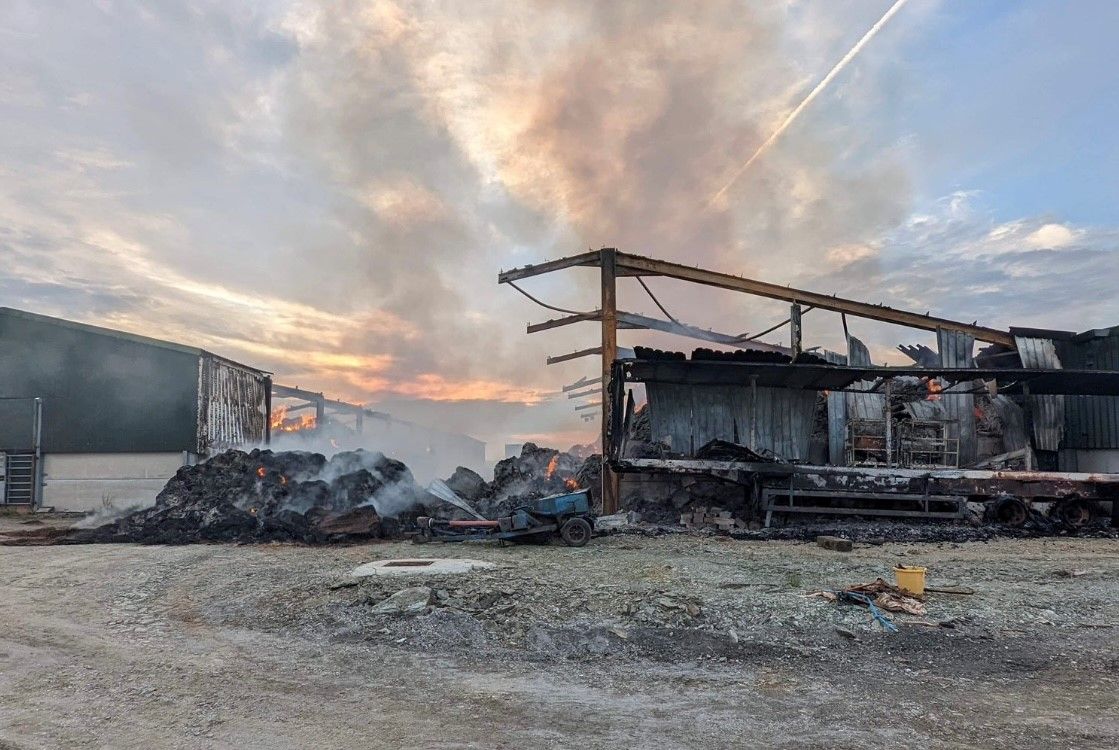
[(92, 417)]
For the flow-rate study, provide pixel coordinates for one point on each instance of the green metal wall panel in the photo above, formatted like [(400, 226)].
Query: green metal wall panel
[(102, 392)]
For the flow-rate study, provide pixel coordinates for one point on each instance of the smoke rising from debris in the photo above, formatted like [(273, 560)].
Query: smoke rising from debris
[(464, 133), (325, 190)]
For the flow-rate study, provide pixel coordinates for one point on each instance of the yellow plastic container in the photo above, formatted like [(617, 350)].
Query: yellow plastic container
[(911, 579)]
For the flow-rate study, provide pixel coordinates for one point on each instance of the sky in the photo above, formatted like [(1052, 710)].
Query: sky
[(327, 190)]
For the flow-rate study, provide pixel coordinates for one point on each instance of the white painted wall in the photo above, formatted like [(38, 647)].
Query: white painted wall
[(92, 481)]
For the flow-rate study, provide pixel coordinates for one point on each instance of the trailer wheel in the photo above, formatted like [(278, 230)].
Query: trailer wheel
[(1075, 511), (575, 532), (1008, 510)]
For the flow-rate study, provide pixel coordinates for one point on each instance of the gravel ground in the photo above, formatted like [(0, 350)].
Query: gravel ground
[(681, 641)]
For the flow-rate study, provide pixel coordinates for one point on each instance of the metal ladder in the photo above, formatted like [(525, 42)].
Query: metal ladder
[(19, 484)]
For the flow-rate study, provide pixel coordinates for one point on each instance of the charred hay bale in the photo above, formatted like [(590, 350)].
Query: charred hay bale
[(537, 472), (386, 470), (262, 495), (468, 484), (354, 489), (358, 522)]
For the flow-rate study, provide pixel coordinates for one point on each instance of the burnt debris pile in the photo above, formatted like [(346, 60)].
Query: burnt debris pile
[(535, 473), (267, 496)]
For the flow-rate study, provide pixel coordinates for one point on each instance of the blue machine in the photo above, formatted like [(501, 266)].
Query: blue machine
[(568, 514)]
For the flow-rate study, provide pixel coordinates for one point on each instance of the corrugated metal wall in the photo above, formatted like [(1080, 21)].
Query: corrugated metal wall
[(955, 350), (1091, 422), (686, 417), (1048, 412), (231, 404), (862, 405), (837, 417)]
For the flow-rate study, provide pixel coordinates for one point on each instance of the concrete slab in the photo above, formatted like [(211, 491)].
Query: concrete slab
[(419, 566)]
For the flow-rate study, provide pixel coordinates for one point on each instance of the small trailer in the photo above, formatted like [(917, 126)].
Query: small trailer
[(568, 515)]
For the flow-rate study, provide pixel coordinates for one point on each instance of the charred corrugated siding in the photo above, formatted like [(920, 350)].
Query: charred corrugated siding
[(232, 404), (955, 350), (687, 417), (1046, 412), (1091, 422)]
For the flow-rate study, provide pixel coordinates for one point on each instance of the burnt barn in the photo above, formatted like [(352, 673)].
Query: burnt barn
[(1017, 420), (92, 417)]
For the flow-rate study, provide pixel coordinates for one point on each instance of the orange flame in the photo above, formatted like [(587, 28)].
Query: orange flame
[(280, 422), (934, 388), (571, 484), (261, 471), (552, 466)]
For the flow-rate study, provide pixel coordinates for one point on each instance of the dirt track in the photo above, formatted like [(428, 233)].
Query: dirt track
[(269, 647)]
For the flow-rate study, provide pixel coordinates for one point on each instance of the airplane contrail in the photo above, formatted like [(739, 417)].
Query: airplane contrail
[(839, 66)]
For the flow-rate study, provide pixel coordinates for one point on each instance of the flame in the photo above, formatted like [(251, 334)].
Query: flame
[(934, 387), (261, 471), (552, 465), (280, 422), (571, 484), (283, 479)]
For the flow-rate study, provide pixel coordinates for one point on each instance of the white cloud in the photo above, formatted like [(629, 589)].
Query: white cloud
[(1051, 236)]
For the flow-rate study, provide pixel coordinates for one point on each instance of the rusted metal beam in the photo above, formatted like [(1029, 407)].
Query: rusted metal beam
[(689, 331), (627, 320), (638, 265), (547, 325), (574, 355), (590, 258), (608, 266), (581, 383)]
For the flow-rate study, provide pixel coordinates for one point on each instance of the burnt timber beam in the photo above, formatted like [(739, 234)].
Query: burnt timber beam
[(593, 405), (638, 265), (575, 355), (583, 394), (590, 258)]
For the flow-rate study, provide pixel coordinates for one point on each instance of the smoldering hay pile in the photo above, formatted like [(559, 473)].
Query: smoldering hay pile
[(299, 496), (537, 472), (263, 495)]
